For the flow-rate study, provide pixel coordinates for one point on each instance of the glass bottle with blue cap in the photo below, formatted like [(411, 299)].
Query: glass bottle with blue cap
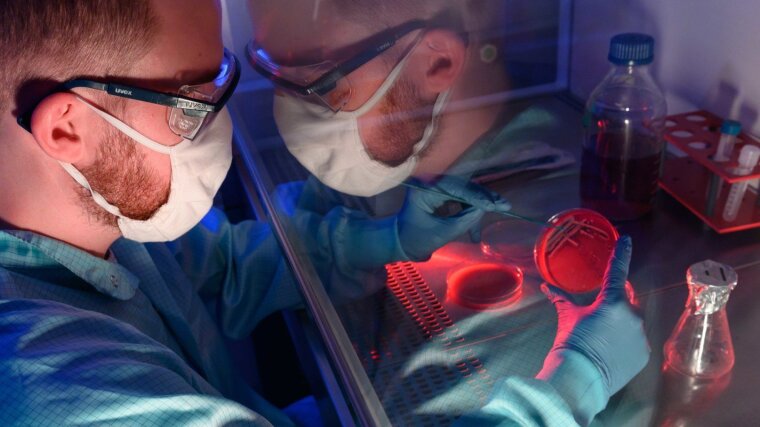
[(624, 124)]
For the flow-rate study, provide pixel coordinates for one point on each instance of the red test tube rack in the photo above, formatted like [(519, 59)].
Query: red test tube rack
[(691, 176)]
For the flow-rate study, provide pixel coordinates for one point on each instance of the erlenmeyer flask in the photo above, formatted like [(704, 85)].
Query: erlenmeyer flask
[(701, 345)]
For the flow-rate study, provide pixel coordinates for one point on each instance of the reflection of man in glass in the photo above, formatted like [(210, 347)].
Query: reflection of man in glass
[(400, 77), (360, 108), (370, 93)]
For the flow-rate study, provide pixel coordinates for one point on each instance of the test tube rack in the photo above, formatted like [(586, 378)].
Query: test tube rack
[(694, 179)]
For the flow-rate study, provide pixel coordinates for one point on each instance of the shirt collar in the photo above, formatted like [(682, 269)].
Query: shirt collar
[(505, 145), (28, 249)]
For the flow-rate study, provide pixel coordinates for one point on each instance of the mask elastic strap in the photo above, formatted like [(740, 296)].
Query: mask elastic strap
[(81, 180), (440, 103), (127, 130)]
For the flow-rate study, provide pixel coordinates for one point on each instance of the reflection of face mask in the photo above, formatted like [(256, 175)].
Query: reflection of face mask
[(198, 168), (329, 144)]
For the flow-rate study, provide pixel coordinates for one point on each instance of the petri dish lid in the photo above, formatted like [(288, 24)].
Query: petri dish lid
[(484, 286), (573, 255), (511, 240)]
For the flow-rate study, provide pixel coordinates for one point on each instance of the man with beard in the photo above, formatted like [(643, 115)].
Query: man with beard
[(379, 89), (113, 141), (362, 89)]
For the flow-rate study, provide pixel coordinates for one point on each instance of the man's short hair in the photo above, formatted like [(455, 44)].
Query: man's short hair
[(386, 13), (463, 16), (45, 42)]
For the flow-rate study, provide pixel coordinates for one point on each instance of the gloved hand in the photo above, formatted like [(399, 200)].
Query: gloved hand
[(607, 333), (421, 231)]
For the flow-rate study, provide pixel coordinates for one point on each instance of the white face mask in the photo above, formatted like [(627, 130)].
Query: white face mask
[(198, 168), (329, 144)]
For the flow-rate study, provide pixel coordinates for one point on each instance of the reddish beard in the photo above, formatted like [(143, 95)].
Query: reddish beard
[(405, 116), (120, 175)]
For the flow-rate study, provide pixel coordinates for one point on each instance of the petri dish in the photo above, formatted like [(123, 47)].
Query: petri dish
[(573, 254), (484, 286), (511, 241)]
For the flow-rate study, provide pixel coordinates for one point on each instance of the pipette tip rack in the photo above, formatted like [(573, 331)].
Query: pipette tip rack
[(692, 177)]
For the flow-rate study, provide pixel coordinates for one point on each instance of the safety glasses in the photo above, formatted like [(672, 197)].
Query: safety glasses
[(188, 108), (327, 82)]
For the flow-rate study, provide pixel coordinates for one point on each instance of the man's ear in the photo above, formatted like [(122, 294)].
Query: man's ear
[(443, 54), (59, 124)]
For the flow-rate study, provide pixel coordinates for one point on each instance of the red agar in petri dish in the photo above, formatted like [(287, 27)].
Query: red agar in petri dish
[(574, 252), (485, 286)]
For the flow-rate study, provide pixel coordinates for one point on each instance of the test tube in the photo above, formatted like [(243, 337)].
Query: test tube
[(728, 132), (747, 160)]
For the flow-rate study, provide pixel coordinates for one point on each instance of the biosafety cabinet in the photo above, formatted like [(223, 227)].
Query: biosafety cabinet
[(389, 343)]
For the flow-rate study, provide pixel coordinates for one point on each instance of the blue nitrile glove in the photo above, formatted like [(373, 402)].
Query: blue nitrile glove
[(421, 231), (599, 348)]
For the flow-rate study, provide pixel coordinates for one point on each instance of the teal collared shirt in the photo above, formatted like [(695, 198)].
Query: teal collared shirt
[(139, 339), (39, 257)]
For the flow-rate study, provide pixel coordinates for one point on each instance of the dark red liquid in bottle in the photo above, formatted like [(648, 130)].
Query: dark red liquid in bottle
[(617, 181)]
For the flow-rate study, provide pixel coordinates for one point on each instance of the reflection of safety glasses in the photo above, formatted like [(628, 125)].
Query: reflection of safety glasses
[(328, 81), (188, 108)]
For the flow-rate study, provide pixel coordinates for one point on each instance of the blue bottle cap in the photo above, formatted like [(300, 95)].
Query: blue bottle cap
[(631, 49), (731, 127)]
